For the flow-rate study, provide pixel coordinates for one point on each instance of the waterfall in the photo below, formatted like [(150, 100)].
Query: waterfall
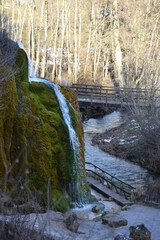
[(78, 171), (31, 71)]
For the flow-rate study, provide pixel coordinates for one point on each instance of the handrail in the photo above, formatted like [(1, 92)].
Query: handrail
[(107, 180), (110, 174), (105, 93), (112, 96), (110, 181), (89, 86)]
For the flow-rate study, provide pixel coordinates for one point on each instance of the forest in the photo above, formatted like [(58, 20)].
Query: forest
[(104, 42)]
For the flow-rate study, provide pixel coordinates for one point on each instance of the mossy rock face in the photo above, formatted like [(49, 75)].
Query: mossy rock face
[(36, 154)]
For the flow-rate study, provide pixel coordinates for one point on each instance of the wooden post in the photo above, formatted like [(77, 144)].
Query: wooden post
[(91, 96), (101, 92), (106, 97)]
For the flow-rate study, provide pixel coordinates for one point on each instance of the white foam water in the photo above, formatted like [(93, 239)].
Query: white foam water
[(31, 71)]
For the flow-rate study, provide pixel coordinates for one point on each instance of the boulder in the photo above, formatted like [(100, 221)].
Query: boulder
[(96, 209), (114, 220), (125, 208), (140, 232), (72, 222)]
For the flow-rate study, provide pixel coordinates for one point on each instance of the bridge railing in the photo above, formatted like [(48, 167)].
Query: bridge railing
[(110, 181), (105, 94)]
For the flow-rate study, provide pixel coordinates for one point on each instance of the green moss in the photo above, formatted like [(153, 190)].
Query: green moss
[(35, 140), (8, 103), (21, 66)]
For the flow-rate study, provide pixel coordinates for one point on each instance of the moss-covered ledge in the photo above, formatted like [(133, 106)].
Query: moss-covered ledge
[(36, 155)]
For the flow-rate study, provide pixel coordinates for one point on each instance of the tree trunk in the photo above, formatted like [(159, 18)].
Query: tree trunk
[(62, 46), (13, 30), (75, 44), (24, 17), (38, 39), (55, 44), (79, 41), (89, 44), (69, 44), (43, 72), (118, 53)]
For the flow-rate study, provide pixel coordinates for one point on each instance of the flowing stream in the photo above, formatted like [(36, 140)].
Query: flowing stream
[(124, 170)]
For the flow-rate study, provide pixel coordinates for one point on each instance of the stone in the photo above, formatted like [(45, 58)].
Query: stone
[(122, 237), (96, 209), (125, 208), (72, 222), (29, 207), (114, 220), (140, 232)]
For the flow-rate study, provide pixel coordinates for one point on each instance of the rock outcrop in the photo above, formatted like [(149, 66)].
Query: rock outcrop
[(140, 232), (114, 220), (72, 222), (36, 156)]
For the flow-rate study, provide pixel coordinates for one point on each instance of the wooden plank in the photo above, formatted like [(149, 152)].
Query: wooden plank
[(99, 187)]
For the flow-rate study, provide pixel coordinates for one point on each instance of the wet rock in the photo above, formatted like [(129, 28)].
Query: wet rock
[(125, 208), (96, 209), (29, 207), (114, 220), (122, 237), (140, 232), (16, 231), (72, 223)]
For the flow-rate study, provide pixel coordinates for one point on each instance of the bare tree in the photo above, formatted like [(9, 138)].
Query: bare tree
[(55, 42), (39, 38), (117, 50), (75, 44), (62, 42), (45, 41)]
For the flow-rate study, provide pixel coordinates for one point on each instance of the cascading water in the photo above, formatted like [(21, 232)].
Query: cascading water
[(78, 171), (31, 71)]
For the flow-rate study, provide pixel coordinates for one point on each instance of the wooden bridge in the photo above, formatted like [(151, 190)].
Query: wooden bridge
[(111, 97), (108, 185)]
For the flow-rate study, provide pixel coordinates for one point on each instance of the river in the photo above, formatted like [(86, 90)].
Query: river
[(123, 169)]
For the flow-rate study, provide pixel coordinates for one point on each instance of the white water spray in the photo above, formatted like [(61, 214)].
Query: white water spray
[(31, 71), (78, 171)]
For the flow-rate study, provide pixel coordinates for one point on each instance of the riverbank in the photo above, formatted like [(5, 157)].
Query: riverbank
[(125, 141), (52, 224)]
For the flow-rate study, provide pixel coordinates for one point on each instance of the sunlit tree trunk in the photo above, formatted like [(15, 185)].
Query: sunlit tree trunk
[(89, 43), (29, 37), (43, 72), (79, 40), (2, 15), (118, 53), (55, 43), (69, 43), (18, 21), (75, 44), (13, 29), (38, 38), (23, 21), (62, 44)]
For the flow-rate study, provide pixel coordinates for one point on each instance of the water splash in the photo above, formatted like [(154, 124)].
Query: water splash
[(79, 179)]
